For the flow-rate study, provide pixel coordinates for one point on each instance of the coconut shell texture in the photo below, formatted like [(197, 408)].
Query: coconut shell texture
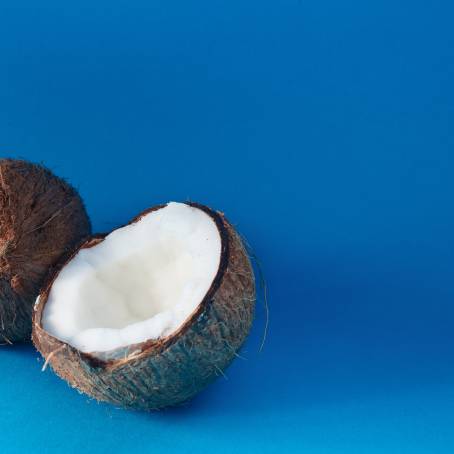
[(171, 370), (41, 218)]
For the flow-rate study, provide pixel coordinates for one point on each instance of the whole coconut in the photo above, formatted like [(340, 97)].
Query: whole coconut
[(41, 218), (129, 366)]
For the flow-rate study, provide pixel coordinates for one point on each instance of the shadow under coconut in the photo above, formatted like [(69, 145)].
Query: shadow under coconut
[(256, 380), (242, 391), (22, 349)]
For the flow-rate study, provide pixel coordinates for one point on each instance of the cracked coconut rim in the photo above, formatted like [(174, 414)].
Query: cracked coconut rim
[(142, 282)]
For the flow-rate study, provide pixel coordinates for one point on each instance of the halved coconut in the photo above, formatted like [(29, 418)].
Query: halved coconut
[(148, 315), (42, 218)]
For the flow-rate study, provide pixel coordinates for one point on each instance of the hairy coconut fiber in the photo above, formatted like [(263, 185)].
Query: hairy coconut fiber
[(41, 218), (167, 371)]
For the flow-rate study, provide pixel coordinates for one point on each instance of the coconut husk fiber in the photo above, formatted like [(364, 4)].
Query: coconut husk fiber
[(41, 218)]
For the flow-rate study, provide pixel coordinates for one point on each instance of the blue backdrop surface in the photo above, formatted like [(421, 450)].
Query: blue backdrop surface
[(325, 131)]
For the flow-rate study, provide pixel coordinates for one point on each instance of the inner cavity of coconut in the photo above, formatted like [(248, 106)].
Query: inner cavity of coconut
[(142, 282)]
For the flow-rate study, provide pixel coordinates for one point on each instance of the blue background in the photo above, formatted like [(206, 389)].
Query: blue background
[(325, 131)]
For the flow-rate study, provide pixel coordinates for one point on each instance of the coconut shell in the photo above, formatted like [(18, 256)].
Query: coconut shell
[(41, 218), (167, 371)]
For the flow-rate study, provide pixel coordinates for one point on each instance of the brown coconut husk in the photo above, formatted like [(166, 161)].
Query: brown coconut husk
[(167, 371), (41, 218)]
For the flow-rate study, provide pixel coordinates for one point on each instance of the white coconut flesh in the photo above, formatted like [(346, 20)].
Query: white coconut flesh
[(142, 282)]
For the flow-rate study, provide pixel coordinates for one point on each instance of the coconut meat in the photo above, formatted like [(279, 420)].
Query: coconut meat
[(142, 282)]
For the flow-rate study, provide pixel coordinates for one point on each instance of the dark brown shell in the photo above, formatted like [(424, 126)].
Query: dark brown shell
[(41, 218), (171, 370)]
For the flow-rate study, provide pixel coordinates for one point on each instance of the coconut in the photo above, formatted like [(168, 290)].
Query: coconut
[(41, 218), (149, 314)]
